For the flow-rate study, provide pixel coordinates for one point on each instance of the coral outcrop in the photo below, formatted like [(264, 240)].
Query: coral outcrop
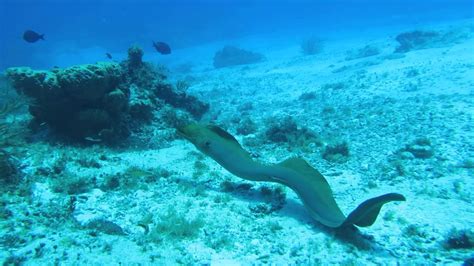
[(100, 102), (135, 55), (232, 56), (83, 101), (181, 100), (415, 40)]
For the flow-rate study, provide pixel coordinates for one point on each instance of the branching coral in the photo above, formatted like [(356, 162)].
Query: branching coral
[(311, 46)]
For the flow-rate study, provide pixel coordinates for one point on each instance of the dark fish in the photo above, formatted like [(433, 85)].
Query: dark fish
[(109, 56), (31, 36), (162, 47)]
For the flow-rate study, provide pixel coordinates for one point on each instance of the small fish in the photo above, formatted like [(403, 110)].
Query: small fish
[(109, 56), (162, 47), (31, 36)]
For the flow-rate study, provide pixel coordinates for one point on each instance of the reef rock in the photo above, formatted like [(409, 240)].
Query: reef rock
[(100, 102), (135, 54), (231, 56), (89, 82), (79, 101), (181, 100), (415, 40)]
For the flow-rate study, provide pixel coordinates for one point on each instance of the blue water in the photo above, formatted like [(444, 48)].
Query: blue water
[(81, 31)]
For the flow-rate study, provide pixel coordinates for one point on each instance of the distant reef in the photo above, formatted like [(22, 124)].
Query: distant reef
[(99, 102), (233, 56), (418, 39)]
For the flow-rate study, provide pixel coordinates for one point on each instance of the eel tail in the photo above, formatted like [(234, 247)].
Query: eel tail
[(316, 194), (366, 213)]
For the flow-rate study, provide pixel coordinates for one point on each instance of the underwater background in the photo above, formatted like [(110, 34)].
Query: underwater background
[(118, 24), (236, 132)]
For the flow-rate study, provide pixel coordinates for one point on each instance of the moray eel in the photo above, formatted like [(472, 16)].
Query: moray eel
[(310, 185)]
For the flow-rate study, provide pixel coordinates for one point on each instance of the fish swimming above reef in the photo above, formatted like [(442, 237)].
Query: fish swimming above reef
[(109, 56), (162, 48), (295, 173), (32, 36)]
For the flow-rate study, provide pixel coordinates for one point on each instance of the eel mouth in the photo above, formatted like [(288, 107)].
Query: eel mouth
[(181, 132), (185, 132)]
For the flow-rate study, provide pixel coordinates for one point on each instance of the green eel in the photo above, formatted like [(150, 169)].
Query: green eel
[(310, 185)]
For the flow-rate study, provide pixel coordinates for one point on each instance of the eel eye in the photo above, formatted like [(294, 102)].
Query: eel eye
[(207, 143)]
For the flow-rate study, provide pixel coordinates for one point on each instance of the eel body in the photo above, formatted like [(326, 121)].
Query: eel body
[(310, 185)]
